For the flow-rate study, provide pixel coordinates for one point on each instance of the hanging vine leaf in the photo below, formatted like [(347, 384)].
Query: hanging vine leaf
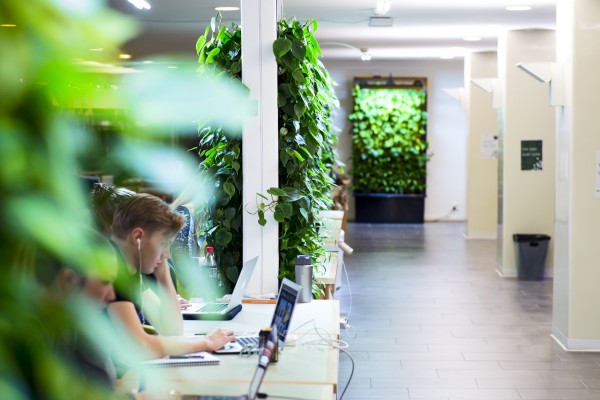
[(281, 46)]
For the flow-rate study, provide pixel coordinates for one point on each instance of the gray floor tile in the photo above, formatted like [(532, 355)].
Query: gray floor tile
[(431, 320)]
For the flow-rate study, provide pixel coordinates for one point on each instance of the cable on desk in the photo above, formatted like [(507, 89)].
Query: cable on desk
[(337, 344), (349, 288), (351, 373)]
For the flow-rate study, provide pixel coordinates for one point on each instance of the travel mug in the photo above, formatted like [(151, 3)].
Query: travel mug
[(304, 278)]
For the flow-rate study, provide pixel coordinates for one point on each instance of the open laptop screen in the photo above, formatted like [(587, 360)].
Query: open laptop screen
[(286, 301)]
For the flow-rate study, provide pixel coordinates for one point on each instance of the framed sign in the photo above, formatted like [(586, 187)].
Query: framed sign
[(531, 155)]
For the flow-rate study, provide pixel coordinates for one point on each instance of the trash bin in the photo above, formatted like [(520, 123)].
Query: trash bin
[(532, 250)]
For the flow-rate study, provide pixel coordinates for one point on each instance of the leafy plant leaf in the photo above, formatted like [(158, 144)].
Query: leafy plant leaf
[(281, 46)]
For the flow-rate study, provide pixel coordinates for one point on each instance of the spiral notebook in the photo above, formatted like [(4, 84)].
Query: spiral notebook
[(187, 360)]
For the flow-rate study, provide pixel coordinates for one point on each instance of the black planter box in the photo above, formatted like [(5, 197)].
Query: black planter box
[(389, 208)]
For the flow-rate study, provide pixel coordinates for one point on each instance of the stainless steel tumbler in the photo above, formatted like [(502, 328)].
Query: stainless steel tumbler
[(304, 278)]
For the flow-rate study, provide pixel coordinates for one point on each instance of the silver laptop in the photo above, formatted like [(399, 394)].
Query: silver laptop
[(282, 317), (264, 360), (222, 310)]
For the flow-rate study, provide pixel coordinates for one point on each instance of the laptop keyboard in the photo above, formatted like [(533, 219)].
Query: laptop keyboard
[(214, 307), (247, 340)]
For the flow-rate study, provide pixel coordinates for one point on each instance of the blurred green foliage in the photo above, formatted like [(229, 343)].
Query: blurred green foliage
[(41, 200), (389, 146)]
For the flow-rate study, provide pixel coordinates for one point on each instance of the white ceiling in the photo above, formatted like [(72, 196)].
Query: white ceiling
[(422, 28)]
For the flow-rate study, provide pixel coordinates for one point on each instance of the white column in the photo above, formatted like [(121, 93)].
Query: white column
[(526, 198), (577, 252), (260, 152), (482, 165)]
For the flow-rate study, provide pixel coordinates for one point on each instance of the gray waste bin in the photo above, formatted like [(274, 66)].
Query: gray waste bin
[(532, 250)]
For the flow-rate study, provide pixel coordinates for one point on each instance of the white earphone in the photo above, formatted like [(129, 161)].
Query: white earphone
[(139, 248)]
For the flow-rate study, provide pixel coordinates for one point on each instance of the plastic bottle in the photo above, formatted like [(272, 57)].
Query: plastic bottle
[(210, 272)]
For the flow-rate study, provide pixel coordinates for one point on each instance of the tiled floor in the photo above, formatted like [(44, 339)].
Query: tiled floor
[(431, 320)]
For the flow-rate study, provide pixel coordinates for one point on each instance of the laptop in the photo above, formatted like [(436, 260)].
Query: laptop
[(286, 302), (224, 310), (264, 360)]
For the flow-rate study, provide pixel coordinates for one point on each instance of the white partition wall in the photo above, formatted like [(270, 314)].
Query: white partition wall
[(577, 230), (482, 160), (260, 153), (526, 120)]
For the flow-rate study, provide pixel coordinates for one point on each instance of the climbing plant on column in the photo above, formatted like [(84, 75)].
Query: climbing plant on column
[(306, 100), (219, 50)]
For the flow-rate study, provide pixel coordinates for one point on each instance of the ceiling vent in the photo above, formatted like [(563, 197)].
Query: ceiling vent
[(381, 21)]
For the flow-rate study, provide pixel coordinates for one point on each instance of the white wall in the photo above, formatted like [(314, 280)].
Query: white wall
[(447, 128), (527, 196), (482, 171), (576, 297)]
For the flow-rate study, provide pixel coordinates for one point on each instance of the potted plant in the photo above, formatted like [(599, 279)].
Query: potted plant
[(389, 150)]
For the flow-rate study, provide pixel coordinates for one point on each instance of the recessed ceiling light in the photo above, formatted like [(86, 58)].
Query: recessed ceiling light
[(8, 25), (518, 8), (172, 67), (471, 38), (382, 7), (124, 56), (141, 4), (97, 49), (226, 8)]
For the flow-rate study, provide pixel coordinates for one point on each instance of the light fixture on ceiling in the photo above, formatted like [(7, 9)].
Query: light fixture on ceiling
[(8, 25), (364, 54), (471, 38), (226, 8), (518, 8), (382, 7), (124, 56), (140, 4)]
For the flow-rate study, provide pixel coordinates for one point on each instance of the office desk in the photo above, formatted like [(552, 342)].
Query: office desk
[(303, 368), (324, 314), (308, 392)]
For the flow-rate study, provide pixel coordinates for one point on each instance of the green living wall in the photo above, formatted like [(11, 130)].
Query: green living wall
[(389, 146)]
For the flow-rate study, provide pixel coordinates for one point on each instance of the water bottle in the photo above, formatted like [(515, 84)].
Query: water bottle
[(211, 273), (304, 278)]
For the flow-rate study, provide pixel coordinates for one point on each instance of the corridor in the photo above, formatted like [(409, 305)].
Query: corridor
[(430, 319)]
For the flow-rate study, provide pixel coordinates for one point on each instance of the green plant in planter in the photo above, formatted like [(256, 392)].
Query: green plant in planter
[(389, 146), (220, 50)]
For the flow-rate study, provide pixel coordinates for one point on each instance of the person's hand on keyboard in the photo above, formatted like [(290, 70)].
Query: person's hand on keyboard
[(219, 338)]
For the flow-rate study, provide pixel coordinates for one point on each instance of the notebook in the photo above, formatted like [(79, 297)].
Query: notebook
[(223, 310), (187, 360), (282, 316), (264, 360)]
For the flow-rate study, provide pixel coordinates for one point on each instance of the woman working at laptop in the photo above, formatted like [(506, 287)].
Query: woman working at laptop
[(143, 228)]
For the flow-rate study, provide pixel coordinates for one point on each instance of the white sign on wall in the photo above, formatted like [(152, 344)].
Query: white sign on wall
[(489, 147)]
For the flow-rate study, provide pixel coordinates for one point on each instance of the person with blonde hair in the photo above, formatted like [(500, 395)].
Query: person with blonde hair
[(143, 229)]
